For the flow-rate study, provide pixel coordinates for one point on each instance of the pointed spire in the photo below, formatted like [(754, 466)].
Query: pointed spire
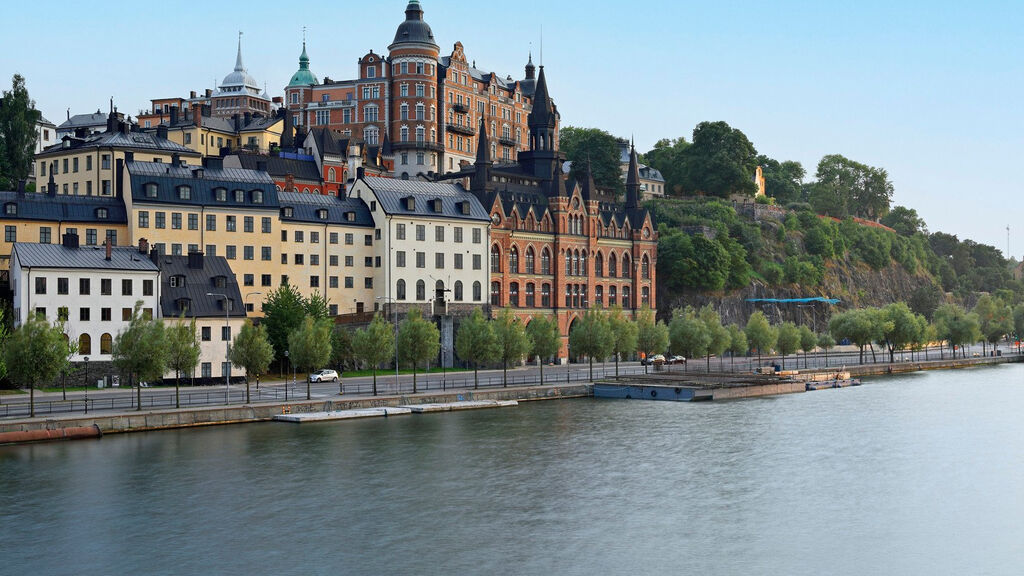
[(483, 148), (530, 68), (633, 179), (239, 67), (541, 101)]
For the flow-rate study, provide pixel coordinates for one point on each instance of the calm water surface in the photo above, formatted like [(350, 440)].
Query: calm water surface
[(920, 474)]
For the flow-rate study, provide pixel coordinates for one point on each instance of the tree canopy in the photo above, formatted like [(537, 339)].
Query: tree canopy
[(545, 339), (782, 180), (35, 352), (475, 342), (848, 188), (375, 345), (666, 157), (624, 334), (182, 352), (591, 336), (18, 118), (596, 150), (309, 346), (512, 341), (140, 350), (719, 162), (760, 334), (252, 352), (418, 341), (651, 337)]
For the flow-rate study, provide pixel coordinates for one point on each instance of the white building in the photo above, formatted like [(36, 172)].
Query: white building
[(46, 135), (432, 240), (93, 289)]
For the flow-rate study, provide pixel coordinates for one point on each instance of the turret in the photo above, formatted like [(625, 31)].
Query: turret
[(633, 180), (483, 160)]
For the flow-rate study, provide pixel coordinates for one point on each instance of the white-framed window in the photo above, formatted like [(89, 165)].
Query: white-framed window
[(370, 113), (372, 135), (323, 117)]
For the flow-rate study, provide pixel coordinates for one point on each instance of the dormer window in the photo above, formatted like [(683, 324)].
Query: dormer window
[(257, 196), (350, 216), (220, 194), (322, 214), (184, 304), (464, 207), (184, 192), (239, 196), (150, 189), (101, 213), (11, 209), (177, 281), (287, 212), (410, 203), (220, 281), (435, 205)]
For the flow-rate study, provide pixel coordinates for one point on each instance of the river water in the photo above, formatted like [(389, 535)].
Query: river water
[(916, 474)]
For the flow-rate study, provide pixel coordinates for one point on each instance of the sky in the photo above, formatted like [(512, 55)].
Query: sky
[(928, 91)]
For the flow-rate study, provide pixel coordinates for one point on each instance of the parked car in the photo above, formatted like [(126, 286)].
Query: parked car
[(653, 359), (676, 360), (323, 376)]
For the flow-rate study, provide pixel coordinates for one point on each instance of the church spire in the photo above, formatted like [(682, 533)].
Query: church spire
[(239, 67), (633, 179), (482, 174)]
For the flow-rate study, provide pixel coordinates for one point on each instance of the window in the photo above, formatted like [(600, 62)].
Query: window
[(266, 225), (458, 291), (400, 259), (349, 282), (612, 266), (545, 295), (265, 280), (83, 286), (368, 283), (477, 292), (350, 261), (207, 369), (477, 264), (248, 224), (147, 287), (495, 293), (495, 259), (126, 287), (193, 221), (229, 223), (143, 219), (211, 222), (476, 236), (300, 259), (265, 253), (513, 260), (220, 194), (439, 233), (206, 336), (645, 296), (458, 234), (112, 237), (400, 290), (62, 285), (333, 238), (231, 252), (126, 314), (106, 342), (599, 264), (421, 259), (421, 290), (84, 345), (513, 294), (645, 267), (314, 259), (161, 220), (368, 261), (627, 302), (300, 236), (105, 286), (40, 285), (333, 260), (421, 232), (44, 235), (439, 260), (10, 234), (530, 297), (349, 239), (314, 281), (599, 295), (83, 314), (458, 261), (10, 209), (625, 266), (184, 192), (176, 220), (333, 281), (225, 333)]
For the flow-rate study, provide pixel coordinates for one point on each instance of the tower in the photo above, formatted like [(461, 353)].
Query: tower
[(543, 158), (413, 128), (633, 180), (483, 160)]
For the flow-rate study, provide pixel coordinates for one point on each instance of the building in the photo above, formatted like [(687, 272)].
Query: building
[(652, 183), (46, 135), (197, 288), (239, 93), (88, 165), (426, 104), (558, 246), (290, 171), (82, 124), (93, 290), (200, 131)]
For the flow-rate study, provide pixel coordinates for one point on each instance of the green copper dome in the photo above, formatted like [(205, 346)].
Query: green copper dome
[(303, 77)]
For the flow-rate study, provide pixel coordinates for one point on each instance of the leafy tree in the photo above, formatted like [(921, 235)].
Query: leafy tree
[(1018, 324), (512, 341), (374, 345), (652, 337), (545, 340), (845, 187), (808, 341), (18, 118), (905, 221), (688, 335), (718, 335), (956, 326), (342, 351), (310, 346), (720, 161), (760, 334), (666, 157), (595, 150), (283, 312), (925, 299), (624, 334), (862, 327), (782, 180), (902, 327), (737, 342), (418, 341), (787, 341), (475, 342), (826, 342), (995, 319), (592, 337), (182, 352), (252, 352), (316, 306), (35, 352), (140, 350)]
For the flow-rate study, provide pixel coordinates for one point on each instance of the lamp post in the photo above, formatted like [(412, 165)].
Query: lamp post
[(394, 308), (86, 359), (286, 377), (227, 347)]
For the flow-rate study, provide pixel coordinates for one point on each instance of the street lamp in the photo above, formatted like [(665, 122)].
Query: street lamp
[(394, 308), (286, 376), (86, 359), (251, 294), (227, 347)]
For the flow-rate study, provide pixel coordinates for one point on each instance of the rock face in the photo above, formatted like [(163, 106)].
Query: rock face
[(855, 284)]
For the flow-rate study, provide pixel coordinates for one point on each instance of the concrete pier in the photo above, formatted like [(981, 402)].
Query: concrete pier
[(343, 415), (465, 405)]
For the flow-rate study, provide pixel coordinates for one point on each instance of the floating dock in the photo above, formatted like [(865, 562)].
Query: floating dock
[(696, 387), (464, 405), (342, 415)]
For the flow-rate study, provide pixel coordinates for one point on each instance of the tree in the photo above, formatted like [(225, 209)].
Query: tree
[(182, 353), (652, 337), (782, 180), (995, 319), (418, 341), (310, 346), (760, 334), (316, 306), (18, 118), (902, 327), (475, 342), (826, 342), (687, 334), (925, 299), (905, 221), (808, 342), (545, 340), (624, 334), (592, 337), (862, 327), (252, 352), (283, 312), (1018, 324), (512, 341), (720, 161), (787, 341), (342, 352), (35, 352), (666, 157), (737, 342), (956, 326), (596, 151), (845, 187), (140, 350), (374, 345), (719, 338)]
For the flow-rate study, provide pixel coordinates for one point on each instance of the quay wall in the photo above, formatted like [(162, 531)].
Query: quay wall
[(883, 368)]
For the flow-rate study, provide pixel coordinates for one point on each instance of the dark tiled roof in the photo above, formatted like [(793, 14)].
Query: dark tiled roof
[(390, 193), (63, 208), (648, 173), (279, 167), (226, 124), (198, 281), (327, 142), (168, 178), (80, 120), (130, 141), (87, 257), (306, 206)]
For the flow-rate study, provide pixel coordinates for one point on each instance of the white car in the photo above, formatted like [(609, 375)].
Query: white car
[(323, 376)]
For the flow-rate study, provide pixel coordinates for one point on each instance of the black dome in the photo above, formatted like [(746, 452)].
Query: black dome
[(414, 29)]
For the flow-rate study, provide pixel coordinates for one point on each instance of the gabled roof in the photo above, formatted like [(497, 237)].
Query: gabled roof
[(198, 282), (327, 142), (390, 193), (168, 178), (225, 124), (83, 257), (305, 207), (63, 208), (278, 167), (84, 120), (144, 141)]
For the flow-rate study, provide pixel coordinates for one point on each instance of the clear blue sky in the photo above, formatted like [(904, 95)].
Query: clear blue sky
[(929, 91)]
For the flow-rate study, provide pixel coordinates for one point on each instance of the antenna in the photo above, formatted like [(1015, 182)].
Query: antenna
[(542, 45), (1007, 240), (303, 34)]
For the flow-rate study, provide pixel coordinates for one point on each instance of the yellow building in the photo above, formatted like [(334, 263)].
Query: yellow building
[(87, 165), (210, 135)]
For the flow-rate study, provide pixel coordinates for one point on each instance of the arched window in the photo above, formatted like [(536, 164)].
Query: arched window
[(576, 262), (545, 262), (612, 294), (626, 300), (576, 296), (613, 269), (545, 295), (458, 290), (530, 260), (495, 258), (400, 290), (439, 291), (106, 344), (84, 345), (421, 290), (477, 292), (599, 295), (513, 294), (583, 262), (495, 293), (645, 267), (530, 296), (330, 175), (403, 111), (645, 296), (513, 260), (420, 111), (568, 262), (625, 266), (599, 264)]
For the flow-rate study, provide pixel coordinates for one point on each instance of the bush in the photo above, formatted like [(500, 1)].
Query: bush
[(772, 273)]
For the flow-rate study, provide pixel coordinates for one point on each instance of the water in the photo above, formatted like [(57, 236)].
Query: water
[(917, 474)]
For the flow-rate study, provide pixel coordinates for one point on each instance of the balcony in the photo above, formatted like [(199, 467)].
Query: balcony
[(332, 104), (460, 108), (460, 129), (508, 141), (413, 145)]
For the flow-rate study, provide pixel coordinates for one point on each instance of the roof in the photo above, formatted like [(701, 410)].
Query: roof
[(303, 76), (168, 178), (305, 207), (240, 76), (226, 124), (42, 120), (278, 167), (198, 282), (132, 140), (63, 208), (481, 75), (648, 173), (390, 192), (327, 142), (87, 257), (82, 120), (414, 29)]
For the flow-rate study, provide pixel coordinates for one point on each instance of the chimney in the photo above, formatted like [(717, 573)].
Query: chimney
[(289, 183), (248, 118), (197, 115), (51, 187), (277, 100), (21, 187), (143, 246), (360, 173), (209, 92), (129, 156), (192, 95), (70, 240), (119, 179), (261, 165), (161, 131), (235, 122), (175, 159), (206, 110), (154, 256), (109, 249), (195, 260), (174, 114), (213, 163)]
